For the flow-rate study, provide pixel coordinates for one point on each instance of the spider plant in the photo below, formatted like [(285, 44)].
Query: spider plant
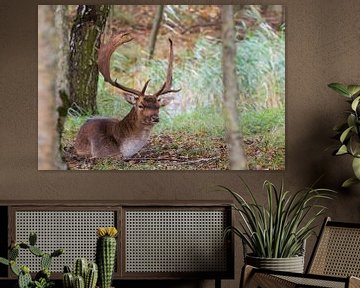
[(279, 229)]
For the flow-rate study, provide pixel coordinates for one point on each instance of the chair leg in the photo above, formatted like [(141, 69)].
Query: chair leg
[(217, 283)]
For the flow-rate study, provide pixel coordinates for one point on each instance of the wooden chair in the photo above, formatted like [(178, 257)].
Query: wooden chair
[(335, 262)]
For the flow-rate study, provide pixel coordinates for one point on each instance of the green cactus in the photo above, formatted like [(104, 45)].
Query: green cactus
[(42, 278), (24, 245), (24, 280), (36, 251), (105, 255), (91, 276), (57, 252), (13, 253), (79, 282), (67, 269), (68, 280), (87, 272), (45, 261), (14, 268), (80, 267), (32, 238)]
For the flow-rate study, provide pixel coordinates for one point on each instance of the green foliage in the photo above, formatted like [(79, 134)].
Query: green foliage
[(349, 131), (85, 274), (279, 229), (105, 259), (42, 278)]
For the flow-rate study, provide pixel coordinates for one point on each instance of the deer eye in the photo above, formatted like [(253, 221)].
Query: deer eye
[(141, 106)]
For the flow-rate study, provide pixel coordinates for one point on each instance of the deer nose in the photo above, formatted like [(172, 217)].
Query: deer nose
[(155, 118)]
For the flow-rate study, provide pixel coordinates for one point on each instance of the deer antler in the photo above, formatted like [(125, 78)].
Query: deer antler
[(105, 52), (166, 87)]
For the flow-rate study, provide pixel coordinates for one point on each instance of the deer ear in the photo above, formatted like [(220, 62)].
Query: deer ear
[(131, 98), (165, 100)]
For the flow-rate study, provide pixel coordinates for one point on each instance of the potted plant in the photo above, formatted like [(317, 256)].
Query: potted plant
[(42, 278), (348, 132), (276, 233)]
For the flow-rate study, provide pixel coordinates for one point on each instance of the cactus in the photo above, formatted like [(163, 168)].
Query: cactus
[(45, 261), (24, 280), (105, 254), (23, 273), (80, 267), (87, 272), (13, 253), (32, 238), (36, 251), (68, 280), (79, 282), (91, 276)]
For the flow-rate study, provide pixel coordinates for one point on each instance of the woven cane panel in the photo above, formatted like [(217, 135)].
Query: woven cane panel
[(74, 231), (175, 241), (338, 253), (308, 282)]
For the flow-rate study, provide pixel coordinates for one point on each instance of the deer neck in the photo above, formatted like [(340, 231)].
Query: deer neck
[(132, 135)]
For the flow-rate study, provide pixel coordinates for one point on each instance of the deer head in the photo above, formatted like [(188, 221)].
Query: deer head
[(146, 105)]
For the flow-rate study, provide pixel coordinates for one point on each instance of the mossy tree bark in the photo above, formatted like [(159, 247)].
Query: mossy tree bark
[(85, 36), (231, 91)]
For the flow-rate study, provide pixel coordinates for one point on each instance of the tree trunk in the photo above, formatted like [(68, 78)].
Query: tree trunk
[(231, 92), (155, 29), (84, 44), (48, 138), (62, 75)]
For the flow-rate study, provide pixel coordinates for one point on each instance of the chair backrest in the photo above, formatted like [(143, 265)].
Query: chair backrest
[(337, 251)]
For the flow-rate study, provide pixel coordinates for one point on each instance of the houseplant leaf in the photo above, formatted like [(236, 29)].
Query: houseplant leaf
[(345, 134), (353, 89), (356, 167), (355, 103), (340, 88), (349, 182), (342, 150)]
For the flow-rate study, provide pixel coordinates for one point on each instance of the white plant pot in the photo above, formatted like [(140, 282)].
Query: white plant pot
[(291, 264)]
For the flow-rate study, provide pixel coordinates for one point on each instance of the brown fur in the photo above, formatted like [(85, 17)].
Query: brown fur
[(110, 137)]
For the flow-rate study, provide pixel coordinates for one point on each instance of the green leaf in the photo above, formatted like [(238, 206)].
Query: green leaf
[(342, 150), (355, 103), (356, 167), (345, 134), (4, 261), (351, 120), (353, 89), (340, 88), (349, 182), (354, 145)]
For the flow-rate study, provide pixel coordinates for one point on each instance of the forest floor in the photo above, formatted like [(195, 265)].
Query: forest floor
[(191, 142)]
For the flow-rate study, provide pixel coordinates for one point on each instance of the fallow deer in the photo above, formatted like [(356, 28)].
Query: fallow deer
[(110, 137)]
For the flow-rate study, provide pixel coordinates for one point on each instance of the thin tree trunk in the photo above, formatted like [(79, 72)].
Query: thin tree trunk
[(48, 138), (62, 75), (231, 92), (155, 29), (84, 44)]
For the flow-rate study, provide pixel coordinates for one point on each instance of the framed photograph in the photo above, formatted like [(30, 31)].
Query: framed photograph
[(161, 87)]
